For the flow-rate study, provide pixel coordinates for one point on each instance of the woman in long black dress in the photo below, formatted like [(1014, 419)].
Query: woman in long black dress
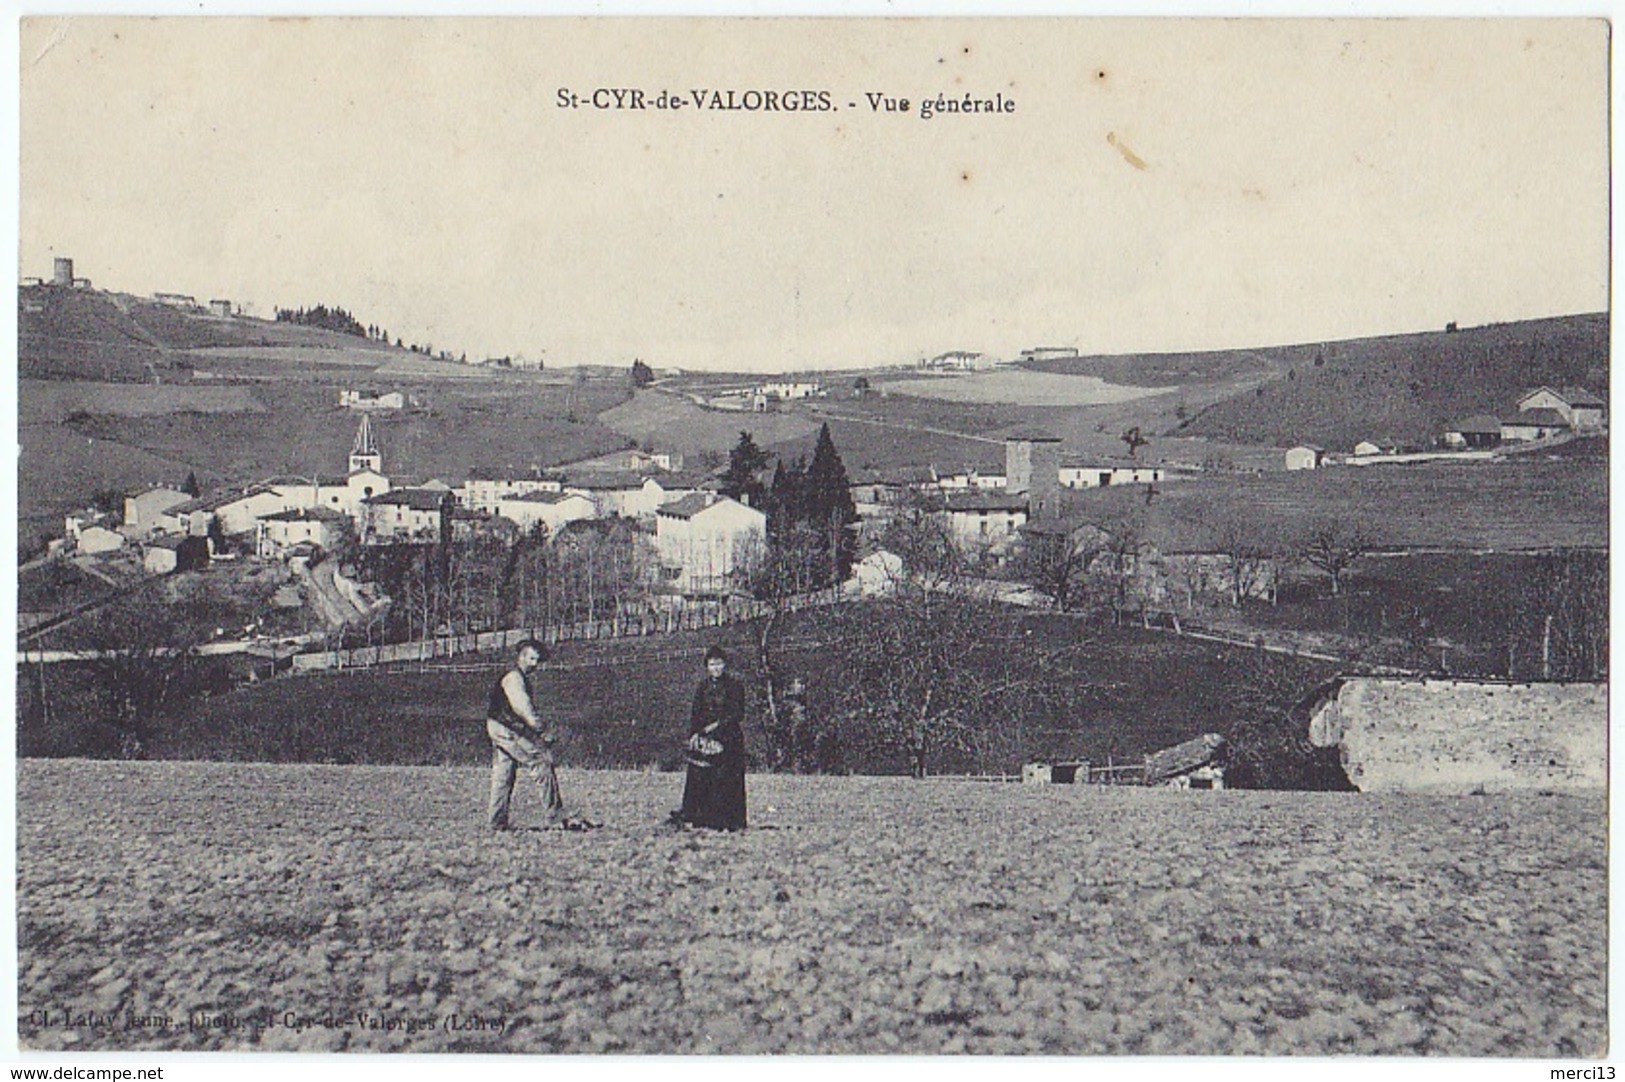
[(714, 793)]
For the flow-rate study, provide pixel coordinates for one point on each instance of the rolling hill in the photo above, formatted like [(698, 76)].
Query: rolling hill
[(1407, 388)]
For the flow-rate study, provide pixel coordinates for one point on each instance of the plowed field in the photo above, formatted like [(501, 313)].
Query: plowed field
[(223, 906)]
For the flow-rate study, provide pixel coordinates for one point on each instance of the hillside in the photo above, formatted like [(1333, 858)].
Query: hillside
[(1407, 388), (113, 337), (79, 438), (229, 908)]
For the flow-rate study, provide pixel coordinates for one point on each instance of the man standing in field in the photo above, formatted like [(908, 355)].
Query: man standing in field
[(520, 739)]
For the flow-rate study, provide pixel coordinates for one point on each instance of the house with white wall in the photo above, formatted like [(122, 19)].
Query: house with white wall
[(1305, 456), (404, 514), (486, 488), (1101, 472), (549, 509), (705, 540), (142, 510), (987, 521), (1583, 411)]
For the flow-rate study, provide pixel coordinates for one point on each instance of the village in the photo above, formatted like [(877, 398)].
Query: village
[(686, 540)]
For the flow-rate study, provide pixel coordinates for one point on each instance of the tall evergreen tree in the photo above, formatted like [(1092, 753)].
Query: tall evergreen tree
[(190, 485), (786, 503), (745, 461), (829, 505)]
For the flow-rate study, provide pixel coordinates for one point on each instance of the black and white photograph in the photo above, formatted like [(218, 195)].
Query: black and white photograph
[(631, 537)]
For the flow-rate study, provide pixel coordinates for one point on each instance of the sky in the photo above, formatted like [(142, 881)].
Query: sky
[(1159, 186)]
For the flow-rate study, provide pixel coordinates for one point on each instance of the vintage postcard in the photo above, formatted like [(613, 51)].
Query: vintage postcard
[(813, 536)]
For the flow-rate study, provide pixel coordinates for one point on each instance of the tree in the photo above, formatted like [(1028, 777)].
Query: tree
[(143, 657), (860, 386), (1333, 546), (932, 677), (1557, 626), (1248, 551), (1124, 544), (1054, 559), (745, 462), (1134, 440), (829, 508), (642, 374), (917, 532), (190, 486)]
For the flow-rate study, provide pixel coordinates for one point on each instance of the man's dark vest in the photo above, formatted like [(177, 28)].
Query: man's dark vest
[(499, 710)]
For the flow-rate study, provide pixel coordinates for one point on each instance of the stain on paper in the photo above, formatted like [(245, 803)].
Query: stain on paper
[(1123, 148)]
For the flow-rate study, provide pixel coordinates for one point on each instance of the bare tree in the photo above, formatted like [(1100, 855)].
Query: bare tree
[(1248, 551), (930, 673), (1124, 545), (143, 654), (1558, 619), (1333, 546), (1055, 560)]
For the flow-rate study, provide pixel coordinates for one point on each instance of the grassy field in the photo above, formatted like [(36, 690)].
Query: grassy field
[(1507, 505), (626, 704), (51, 401), (1021, 387), (671, 422), (211, 907)]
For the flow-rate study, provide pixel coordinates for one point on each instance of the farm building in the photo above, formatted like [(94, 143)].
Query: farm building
[(958, 360), (787, 391), (368, 399), (143, 510), (1049, 353), (1462, 736), (1099, 473), (1479, 430), (1533, 424), (95, 540), (549, 509), (704, 539), (1582, 410), (164, 555), (220, 307), (282, 530), (1305, 456)]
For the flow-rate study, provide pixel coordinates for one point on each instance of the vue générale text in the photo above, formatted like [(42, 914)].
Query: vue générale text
[(618, 99)]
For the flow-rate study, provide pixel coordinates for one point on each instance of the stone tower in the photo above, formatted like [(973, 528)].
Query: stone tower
[(1032, 467)]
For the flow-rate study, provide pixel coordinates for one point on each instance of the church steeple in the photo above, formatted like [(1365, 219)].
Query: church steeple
[(364, 453)]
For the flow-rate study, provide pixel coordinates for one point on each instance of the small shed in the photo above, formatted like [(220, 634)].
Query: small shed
[(1196, 764), (1305, 456)]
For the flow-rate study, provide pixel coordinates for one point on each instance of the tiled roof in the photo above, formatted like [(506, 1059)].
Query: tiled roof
[(543, 496), (1479, 423), (306, 514), (1545, 415), (605, 480), (417, 499), (984, 501)]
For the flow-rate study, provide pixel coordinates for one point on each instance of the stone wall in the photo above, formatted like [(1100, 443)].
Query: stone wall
[(1457, 736)]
